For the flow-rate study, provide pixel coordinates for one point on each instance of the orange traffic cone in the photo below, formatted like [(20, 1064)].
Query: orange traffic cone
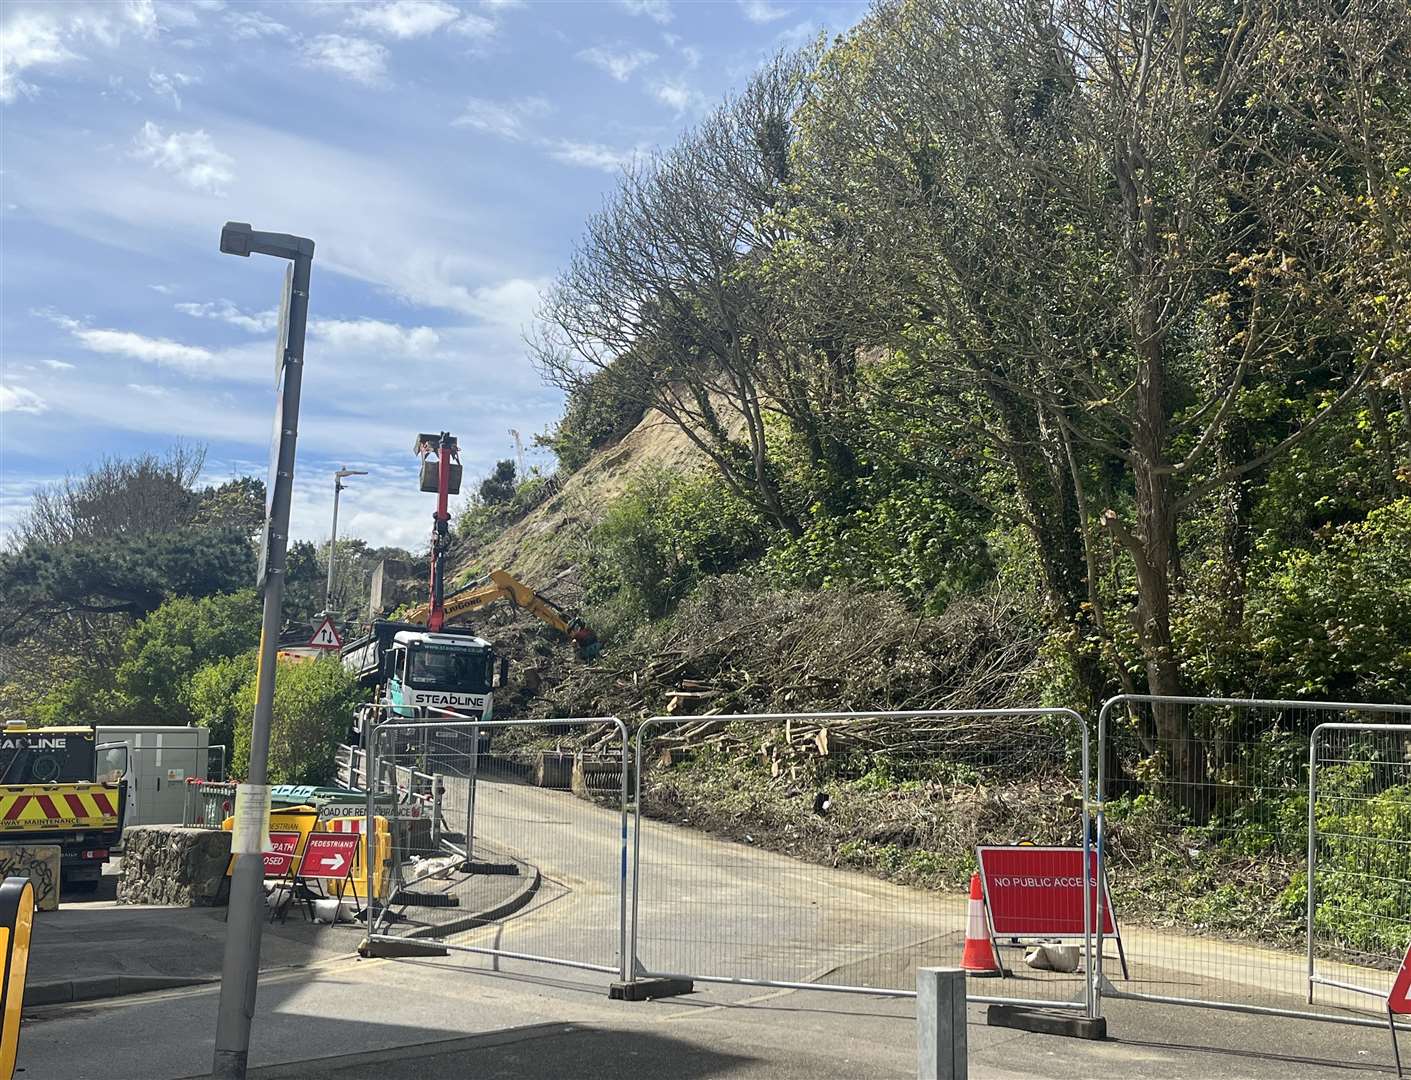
[(979, 957)]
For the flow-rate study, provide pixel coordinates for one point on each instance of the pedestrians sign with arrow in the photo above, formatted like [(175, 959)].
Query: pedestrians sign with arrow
[(329, 855)]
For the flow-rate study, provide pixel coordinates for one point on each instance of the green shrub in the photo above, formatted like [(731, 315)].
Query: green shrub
[(1364, 864), (1335, 621), (661, 537), (214, 695), (598, 414), (313, 708), (906, 537), (165, 650)]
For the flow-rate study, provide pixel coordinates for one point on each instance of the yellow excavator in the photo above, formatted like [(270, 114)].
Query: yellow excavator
[(505, 586)]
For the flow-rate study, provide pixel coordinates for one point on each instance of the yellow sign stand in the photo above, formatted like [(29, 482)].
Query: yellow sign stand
[(16, 924)]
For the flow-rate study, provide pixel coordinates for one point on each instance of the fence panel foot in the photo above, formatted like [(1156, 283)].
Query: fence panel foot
[(647, 989), (1045, 1022)]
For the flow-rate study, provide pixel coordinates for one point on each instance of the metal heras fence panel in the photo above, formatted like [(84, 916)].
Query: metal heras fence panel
[(1359, 860), (834, 851), (1203, 833), (525, 855)]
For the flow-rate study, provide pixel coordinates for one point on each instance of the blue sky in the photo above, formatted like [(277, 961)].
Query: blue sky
[(443, 157)]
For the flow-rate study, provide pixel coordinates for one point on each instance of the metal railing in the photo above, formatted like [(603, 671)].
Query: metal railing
[(725, 908), (1359, 859), (208, 802), (511, 834), (1206, 815)]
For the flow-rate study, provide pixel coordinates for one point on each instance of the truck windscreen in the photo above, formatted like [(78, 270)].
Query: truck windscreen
[(454, 670), (36, 758)]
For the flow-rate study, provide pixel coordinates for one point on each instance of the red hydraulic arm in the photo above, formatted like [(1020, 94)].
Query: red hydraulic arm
[(443, 476)]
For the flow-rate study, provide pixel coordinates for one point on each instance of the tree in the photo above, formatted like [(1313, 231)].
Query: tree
[(128, 575), (498, 488), (657, 301), (215, 696), (118, 496), (164, 651), (313, 709), (237, 504), (1118, 246)]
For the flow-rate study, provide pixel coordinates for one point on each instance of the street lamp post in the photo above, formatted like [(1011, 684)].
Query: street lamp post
[(333, 536), (241, 965)]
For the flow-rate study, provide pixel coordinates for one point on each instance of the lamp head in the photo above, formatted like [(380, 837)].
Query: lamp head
[(235, 238)]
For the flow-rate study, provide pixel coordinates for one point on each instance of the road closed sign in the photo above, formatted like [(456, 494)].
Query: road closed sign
[(329, 855), (1038, 891)]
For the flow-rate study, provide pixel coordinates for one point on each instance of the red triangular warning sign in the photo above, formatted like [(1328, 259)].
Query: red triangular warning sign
[(1399, 1000), (326, 636)]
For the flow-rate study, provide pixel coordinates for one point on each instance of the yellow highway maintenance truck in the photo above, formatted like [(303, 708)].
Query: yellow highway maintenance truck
[(53, 790)]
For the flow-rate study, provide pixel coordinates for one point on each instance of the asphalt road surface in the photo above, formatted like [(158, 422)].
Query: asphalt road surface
[(707, 906)]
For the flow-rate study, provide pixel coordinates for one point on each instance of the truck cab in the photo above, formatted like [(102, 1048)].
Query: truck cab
[(441, 671), (52, 793), (417, 672)]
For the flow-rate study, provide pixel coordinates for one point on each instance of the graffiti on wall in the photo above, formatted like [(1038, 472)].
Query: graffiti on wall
[(39, 863)]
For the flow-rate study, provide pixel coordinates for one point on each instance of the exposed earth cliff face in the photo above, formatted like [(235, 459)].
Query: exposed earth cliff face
[(540, 546)]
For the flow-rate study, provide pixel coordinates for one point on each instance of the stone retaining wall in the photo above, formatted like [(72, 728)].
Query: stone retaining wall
[(174, 864)]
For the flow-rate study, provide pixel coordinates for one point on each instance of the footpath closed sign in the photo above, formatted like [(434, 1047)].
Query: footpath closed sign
[(329, 855), (285, 846), (1038, 891)]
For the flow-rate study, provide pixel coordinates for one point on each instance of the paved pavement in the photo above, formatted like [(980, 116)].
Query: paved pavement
[(455, 1017)]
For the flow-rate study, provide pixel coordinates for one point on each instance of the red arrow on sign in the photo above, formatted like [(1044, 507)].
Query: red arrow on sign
[(329, 855)]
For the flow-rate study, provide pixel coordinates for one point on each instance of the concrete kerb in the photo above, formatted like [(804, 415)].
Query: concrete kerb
[(502, 910), (98, 987)]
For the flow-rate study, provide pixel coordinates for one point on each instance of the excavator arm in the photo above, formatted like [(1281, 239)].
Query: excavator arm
[(505, 586)]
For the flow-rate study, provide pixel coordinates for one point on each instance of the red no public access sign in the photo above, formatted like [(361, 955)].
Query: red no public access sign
[(278, 861), (1399, 1000), (329, 855), (1038, 891)]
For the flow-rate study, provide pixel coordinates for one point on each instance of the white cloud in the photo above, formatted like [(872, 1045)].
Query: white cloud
[(30, 39), (260, 322), (35, 38), (501, 5), (510, 304), (190, 156), (799, 34), (161, 351), (689, 53), (58, 365), (503, 118), (148, 389), (474, 26), (164, 85), (18, 399), (657, 10), (249, 25), (762, 11), (143, 15), (373, 335), (620, 64), (676, 94), (359, 59), (404, 18), (591, 155)]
